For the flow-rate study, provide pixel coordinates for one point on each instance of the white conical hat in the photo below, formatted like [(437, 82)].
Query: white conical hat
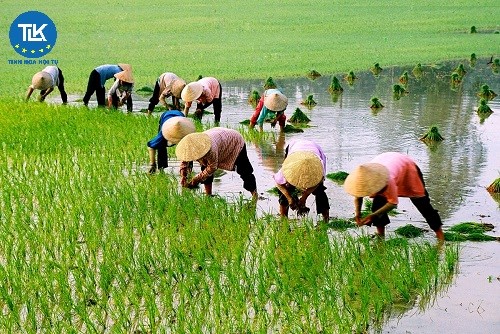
[(176, 128), (192, 91), (367, 179), (42, 80), (193, 146), (303, 169)]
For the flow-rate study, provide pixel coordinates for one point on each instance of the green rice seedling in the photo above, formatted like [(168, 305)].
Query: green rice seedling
[(375, 103), (350, 78), (471, 227), (254, 98), (495, 65), (339, 176), (340, 224), (473, 30), (309, 101), (403, 79), (275, 191), (270, 84), (367, 209), (292, 129), (144, 90), (376, 69), (494, 187), (245, 122), (313, 74), (481, 237), (398, 91), (409, 231), (486, 93), (483, 107), (417, 71), (460, 70), (456, 79), (299, 117), (432, 135), (335, 86), (473, 60), (453, 236)]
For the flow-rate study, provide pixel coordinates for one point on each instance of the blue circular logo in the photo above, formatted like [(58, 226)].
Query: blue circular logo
[(33, 34)]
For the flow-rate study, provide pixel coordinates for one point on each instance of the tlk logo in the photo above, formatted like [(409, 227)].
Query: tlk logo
[(30, 32)]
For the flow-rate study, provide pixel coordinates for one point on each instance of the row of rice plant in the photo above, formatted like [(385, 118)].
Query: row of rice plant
[(91, 243)]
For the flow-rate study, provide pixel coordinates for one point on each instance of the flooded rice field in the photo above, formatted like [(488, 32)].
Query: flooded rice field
[(456, 170)]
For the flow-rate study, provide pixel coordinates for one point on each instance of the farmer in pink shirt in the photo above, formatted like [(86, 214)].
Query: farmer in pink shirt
[(385, 178), (206, 91)]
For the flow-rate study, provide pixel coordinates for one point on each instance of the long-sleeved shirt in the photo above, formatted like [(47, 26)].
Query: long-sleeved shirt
[(226, 145), (302, 145), (165, 82), (120, 89), (211, 89), (404, 177)]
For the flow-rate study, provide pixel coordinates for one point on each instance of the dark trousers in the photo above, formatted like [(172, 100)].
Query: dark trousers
[(423, 205), (153, 101), (64, 96), (319, 193), (94, 85), (217, 104), (243, 168)]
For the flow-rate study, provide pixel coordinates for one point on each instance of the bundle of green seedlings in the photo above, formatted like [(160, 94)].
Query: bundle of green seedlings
[(350, 78), (470, 231), (494, 187), (417, 71), (409, 231), (292, 129), (486, 92), (309, 101), (473, 30), (375, 103), (398, 91), (403, 79), (340, 224), (335, 86), (473, 60), (460, 70), (367, 209), (456, 79), (299, 117), (313, 74), (376, 69), (432, 135), (495, 65), (269, 84), (339, 176), (144, 90), (483, 107), (254, 98)]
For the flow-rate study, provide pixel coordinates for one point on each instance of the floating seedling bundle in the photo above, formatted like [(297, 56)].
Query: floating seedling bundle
[(417, 71), (403, 79), (144, 90), (309, 102), (470, 231), (350, 78), (338, 177), (376, 69), (398, 91), (409, 231), (299, 117), (313, 74), (473, 60), (461, 70), (495, 65), (494, 187), (375, 103), (486, 93), (483, 107), (291, 129), (432, 135), (254, 98), (335, 86), (269, 84)]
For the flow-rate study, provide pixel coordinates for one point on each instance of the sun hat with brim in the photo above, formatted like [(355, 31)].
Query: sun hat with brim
[(192, 91), (125, 67), (42, 80), (303, 169), (176, 128), (125, 76), (177, 87), (367, 179), (193, 146), (276, 101)]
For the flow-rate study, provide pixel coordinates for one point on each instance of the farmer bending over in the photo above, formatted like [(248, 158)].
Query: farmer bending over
[(121, 91), (45, 81), (205, 91), (272, 102), (168, 84)]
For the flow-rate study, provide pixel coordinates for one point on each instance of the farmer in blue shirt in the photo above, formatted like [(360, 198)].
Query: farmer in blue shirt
[(98, 78), (173, 126)]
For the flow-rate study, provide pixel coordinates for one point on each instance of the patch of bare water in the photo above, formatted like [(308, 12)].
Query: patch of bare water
[(457, 170)]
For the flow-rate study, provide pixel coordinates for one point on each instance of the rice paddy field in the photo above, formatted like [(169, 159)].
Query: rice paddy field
[(90, 243)]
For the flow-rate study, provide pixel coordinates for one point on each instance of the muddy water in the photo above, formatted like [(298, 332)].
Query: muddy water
[(456, 171)]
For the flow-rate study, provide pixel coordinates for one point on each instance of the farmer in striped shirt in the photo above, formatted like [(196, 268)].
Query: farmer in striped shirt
[(216, 148)]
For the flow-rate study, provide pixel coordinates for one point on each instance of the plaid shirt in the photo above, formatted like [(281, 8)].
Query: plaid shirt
[(226, 146)]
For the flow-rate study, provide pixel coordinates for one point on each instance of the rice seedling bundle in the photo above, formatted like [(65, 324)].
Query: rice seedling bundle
[(335, 86), (409, 231), (375, 103), (309, 101), (432, 135), (483, 107), (299, 117), (376, 69), (270, 84), (494, 187), (338, 176)]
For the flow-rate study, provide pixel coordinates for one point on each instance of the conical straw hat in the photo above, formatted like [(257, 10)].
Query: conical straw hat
[(125, 67), (176, 128), (276, 101), (42, 80), (192, 91), (303, 169), (177, 87), (367, 179), (125, 76), (193, 146)]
